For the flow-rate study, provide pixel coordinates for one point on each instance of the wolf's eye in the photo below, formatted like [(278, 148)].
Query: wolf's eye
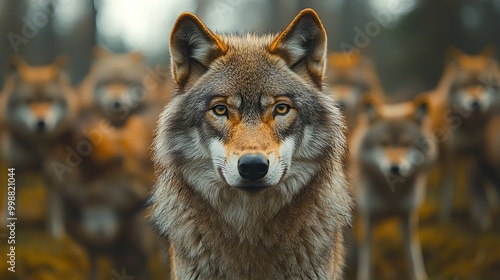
[(220, 110), (281, 109)]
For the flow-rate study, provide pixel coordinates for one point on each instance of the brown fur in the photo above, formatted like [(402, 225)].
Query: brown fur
[(218, 229)]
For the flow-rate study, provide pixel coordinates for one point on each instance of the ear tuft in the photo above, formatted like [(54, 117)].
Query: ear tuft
[(303, 46), (193, 47)]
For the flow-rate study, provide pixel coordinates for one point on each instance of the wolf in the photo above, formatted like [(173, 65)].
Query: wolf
[(121, 85), (105, 194), (391, 150), (468, 97), (38, 105), (351, 75), (249, 156)]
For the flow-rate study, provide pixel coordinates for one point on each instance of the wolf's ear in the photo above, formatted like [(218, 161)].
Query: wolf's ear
[(99, 52), (489, 51), (368, 106), (61, 62), (453, 55), (303, 46), (193, 47), (15, 62), (421, 108)]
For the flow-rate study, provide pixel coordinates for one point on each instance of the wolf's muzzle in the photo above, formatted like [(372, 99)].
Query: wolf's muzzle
[(253, 167)]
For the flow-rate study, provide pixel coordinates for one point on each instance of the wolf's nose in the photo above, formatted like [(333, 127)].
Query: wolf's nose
[(40, 125), (475, 105), (395, 169), (253, 166), (116, 104)]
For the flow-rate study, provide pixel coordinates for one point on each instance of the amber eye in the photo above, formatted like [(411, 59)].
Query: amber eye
[(281, 109), (220, 110)]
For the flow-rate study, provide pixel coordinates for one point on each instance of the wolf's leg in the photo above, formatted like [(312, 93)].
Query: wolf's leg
[(94, 267), (409, 226), (447, 183), (56, 214), (365, 248), (479, 205)]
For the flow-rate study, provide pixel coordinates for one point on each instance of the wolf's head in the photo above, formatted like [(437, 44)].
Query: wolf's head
[(351, 75), (397, 141), (116, 84), (250, 115), (40, 102), (475, 86)]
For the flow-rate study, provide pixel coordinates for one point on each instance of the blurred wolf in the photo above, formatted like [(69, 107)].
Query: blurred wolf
[(106, 192), (249, 156), (38, 106), (351, 75), (392, 149), (464, 102), (121, 85)]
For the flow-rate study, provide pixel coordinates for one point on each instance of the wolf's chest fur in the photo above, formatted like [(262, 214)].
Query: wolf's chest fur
[(296, 241)]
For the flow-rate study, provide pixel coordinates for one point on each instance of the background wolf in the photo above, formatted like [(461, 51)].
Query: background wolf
[(392, 150), (38, 106), (249, 156), (106, 191)]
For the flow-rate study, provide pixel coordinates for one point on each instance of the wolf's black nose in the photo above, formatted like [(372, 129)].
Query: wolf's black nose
[(40, 125), (395, 169), (253, 166), (116, 104), (475, 105)]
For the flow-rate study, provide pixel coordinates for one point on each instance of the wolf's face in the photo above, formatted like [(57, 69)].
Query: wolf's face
[(40, 101), (350, 77), (475, 85), (250, 115), (396, 143), (118, 88)]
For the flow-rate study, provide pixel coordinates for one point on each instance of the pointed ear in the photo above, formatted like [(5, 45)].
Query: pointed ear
[(15, 62), (61, 62), (303, 46), (489, 51), (421, 112), (99, 52), (193, 47), (368, 106), (453, 54), (136, 56)]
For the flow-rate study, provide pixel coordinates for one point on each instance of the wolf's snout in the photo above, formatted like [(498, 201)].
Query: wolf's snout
[(116, 104), (253, 166), (475, 105), (395, 169), (40, 125)]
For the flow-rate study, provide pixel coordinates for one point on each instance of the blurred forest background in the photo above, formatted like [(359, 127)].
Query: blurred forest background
[(407, 38)]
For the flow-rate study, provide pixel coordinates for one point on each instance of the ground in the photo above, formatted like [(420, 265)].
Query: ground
[(452, 251)]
